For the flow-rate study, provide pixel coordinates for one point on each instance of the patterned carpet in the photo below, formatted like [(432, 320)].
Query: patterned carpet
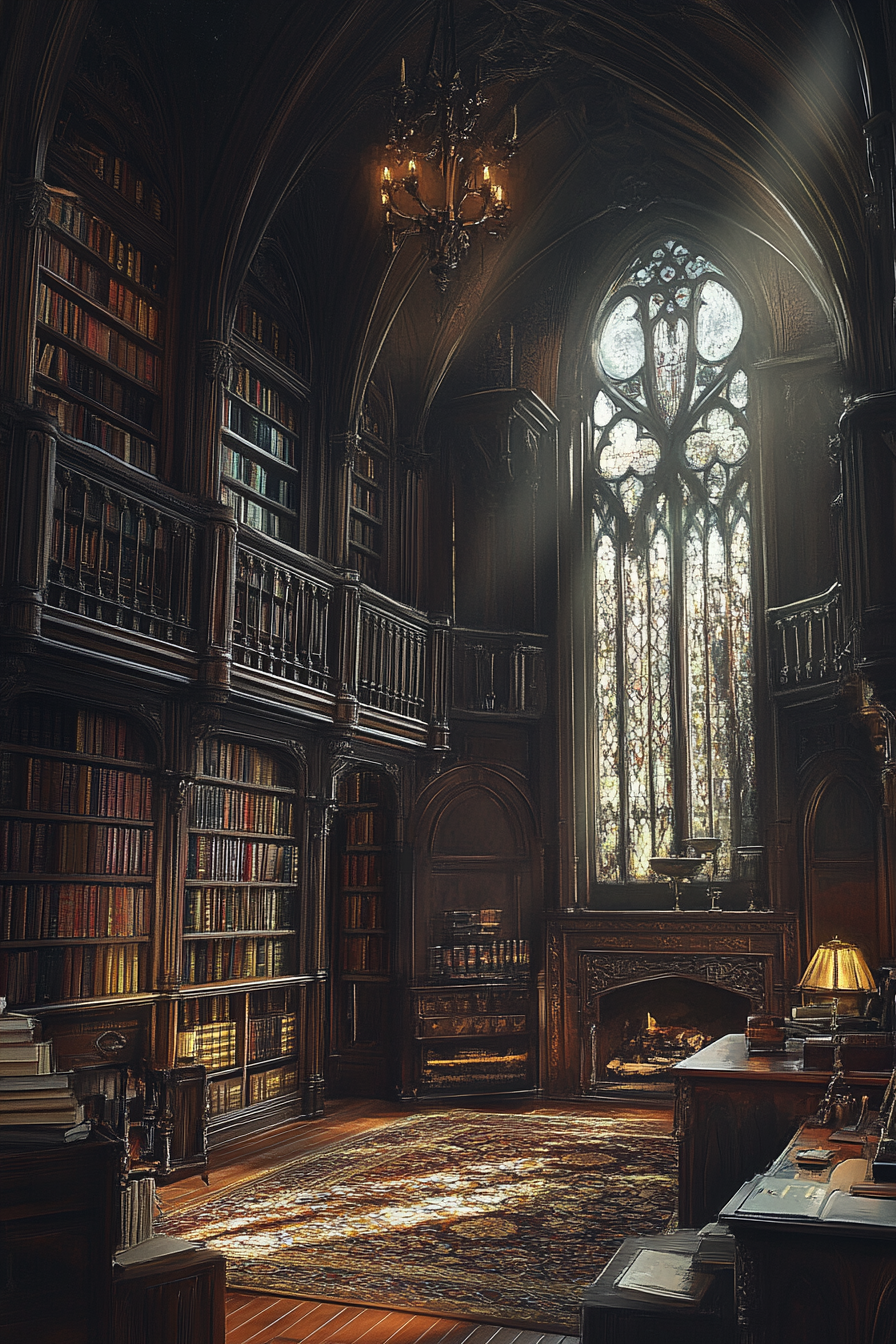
[(501, 1218)]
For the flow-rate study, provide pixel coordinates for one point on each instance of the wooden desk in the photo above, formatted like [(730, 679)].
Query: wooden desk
[(734, 1113), (809, 1280), (178, 1299)]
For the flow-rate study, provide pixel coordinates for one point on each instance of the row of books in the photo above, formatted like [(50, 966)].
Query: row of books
[(66, 213), (241, 763), (85, 971), (242, 420), (70, 319), (247, 471), (120, 299), (30, 1093), (271, 1036), (370, 500), (211, 1043), (360, 787), (218, 808), (39, 784), (365, 954), (270, 1083), (209, 961), (83, 377), (199, 1012), (361, 870), (81, 423), (252, 514), (225, 1094), (137, 1211), (365, 534), (229, 909), (360, 911), (363, 828), (258, 327), (75, 847), (73, 910), (367, 465), (250, 387), (44, 723), (223, 858), (118, 174), (501, 955)]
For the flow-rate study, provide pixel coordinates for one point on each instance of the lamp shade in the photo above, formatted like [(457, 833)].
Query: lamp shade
[(837, 965)]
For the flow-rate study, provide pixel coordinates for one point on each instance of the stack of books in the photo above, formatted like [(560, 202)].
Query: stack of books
[(34, 1102)]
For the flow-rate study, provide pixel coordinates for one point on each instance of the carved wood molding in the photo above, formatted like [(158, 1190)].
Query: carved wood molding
[(603, 971)]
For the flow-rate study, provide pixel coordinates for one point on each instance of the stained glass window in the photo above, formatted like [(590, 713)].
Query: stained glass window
[(672, 540)]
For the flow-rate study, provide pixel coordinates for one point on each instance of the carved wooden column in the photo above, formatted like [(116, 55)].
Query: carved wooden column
[(344, 447), (27, 208), (28, 457), (320, 813), (217, 571), (440, 650), (348, 653), (414, 464)]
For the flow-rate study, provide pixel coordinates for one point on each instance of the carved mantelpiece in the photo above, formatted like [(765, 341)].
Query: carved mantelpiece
[(592, 952)]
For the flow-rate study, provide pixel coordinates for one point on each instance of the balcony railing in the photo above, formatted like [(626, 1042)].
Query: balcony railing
[(499, 674), (806, 640), (121, 560), (281, 620), (392, 661)]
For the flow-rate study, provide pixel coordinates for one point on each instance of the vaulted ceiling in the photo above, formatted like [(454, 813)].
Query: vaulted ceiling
[(267, 119)]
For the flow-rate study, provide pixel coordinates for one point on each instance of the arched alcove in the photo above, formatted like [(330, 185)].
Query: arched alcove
[(843, 893)]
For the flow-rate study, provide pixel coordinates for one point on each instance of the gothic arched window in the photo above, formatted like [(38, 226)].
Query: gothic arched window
[(672, 552)]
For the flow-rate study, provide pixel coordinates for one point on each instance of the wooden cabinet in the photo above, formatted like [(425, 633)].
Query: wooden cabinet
[(472, 1039), (58, 1228)]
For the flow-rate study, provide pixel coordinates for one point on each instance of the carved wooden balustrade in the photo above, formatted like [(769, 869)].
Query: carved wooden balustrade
[(503, 674), (121, 559), (151, 564), (281, 619), (806, 640), (393, 661)]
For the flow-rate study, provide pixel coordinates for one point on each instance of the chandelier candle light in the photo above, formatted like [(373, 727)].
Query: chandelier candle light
[(439, 181)]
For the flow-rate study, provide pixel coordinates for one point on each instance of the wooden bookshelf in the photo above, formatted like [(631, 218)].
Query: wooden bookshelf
[(364, 930), (367, 509), (77, 856), (264, 426), (240, 904), (101, 308)]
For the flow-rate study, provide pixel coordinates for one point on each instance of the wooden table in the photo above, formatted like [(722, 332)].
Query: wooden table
[(806, 1280), (735, 1112)]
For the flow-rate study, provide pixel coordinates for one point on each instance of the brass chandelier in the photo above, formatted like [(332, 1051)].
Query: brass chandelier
[(439, 178)]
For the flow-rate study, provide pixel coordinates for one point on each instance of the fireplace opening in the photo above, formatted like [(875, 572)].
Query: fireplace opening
[(639, 1032)]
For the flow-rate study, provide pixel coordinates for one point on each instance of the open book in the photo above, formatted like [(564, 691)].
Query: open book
[(664, 1275), (779, 1197)]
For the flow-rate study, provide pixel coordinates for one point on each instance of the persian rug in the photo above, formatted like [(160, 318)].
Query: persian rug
[(492, 1217)]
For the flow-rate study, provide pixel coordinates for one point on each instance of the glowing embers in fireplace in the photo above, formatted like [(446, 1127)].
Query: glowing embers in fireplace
[(640, 1030), (649, 1050)]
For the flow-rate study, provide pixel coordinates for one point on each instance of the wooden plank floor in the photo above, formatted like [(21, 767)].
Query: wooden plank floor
[(256, 1319)]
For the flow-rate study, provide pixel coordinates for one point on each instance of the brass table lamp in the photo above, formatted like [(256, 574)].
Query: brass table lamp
[(838, 974)]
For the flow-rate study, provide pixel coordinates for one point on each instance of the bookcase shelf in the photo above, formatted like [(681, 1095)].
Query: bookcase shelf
[(364, 931), (367, 508), (263, 428), (101, 313), (76, 884), (240, 1001)]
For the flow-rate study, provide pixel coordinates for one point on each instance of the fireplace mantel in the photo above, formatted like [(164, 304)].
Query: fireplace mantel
[(592, 951)]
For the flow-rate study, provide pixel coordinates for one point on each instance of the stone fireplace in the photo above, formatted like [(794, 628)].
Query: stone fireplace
[(632, 992)]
